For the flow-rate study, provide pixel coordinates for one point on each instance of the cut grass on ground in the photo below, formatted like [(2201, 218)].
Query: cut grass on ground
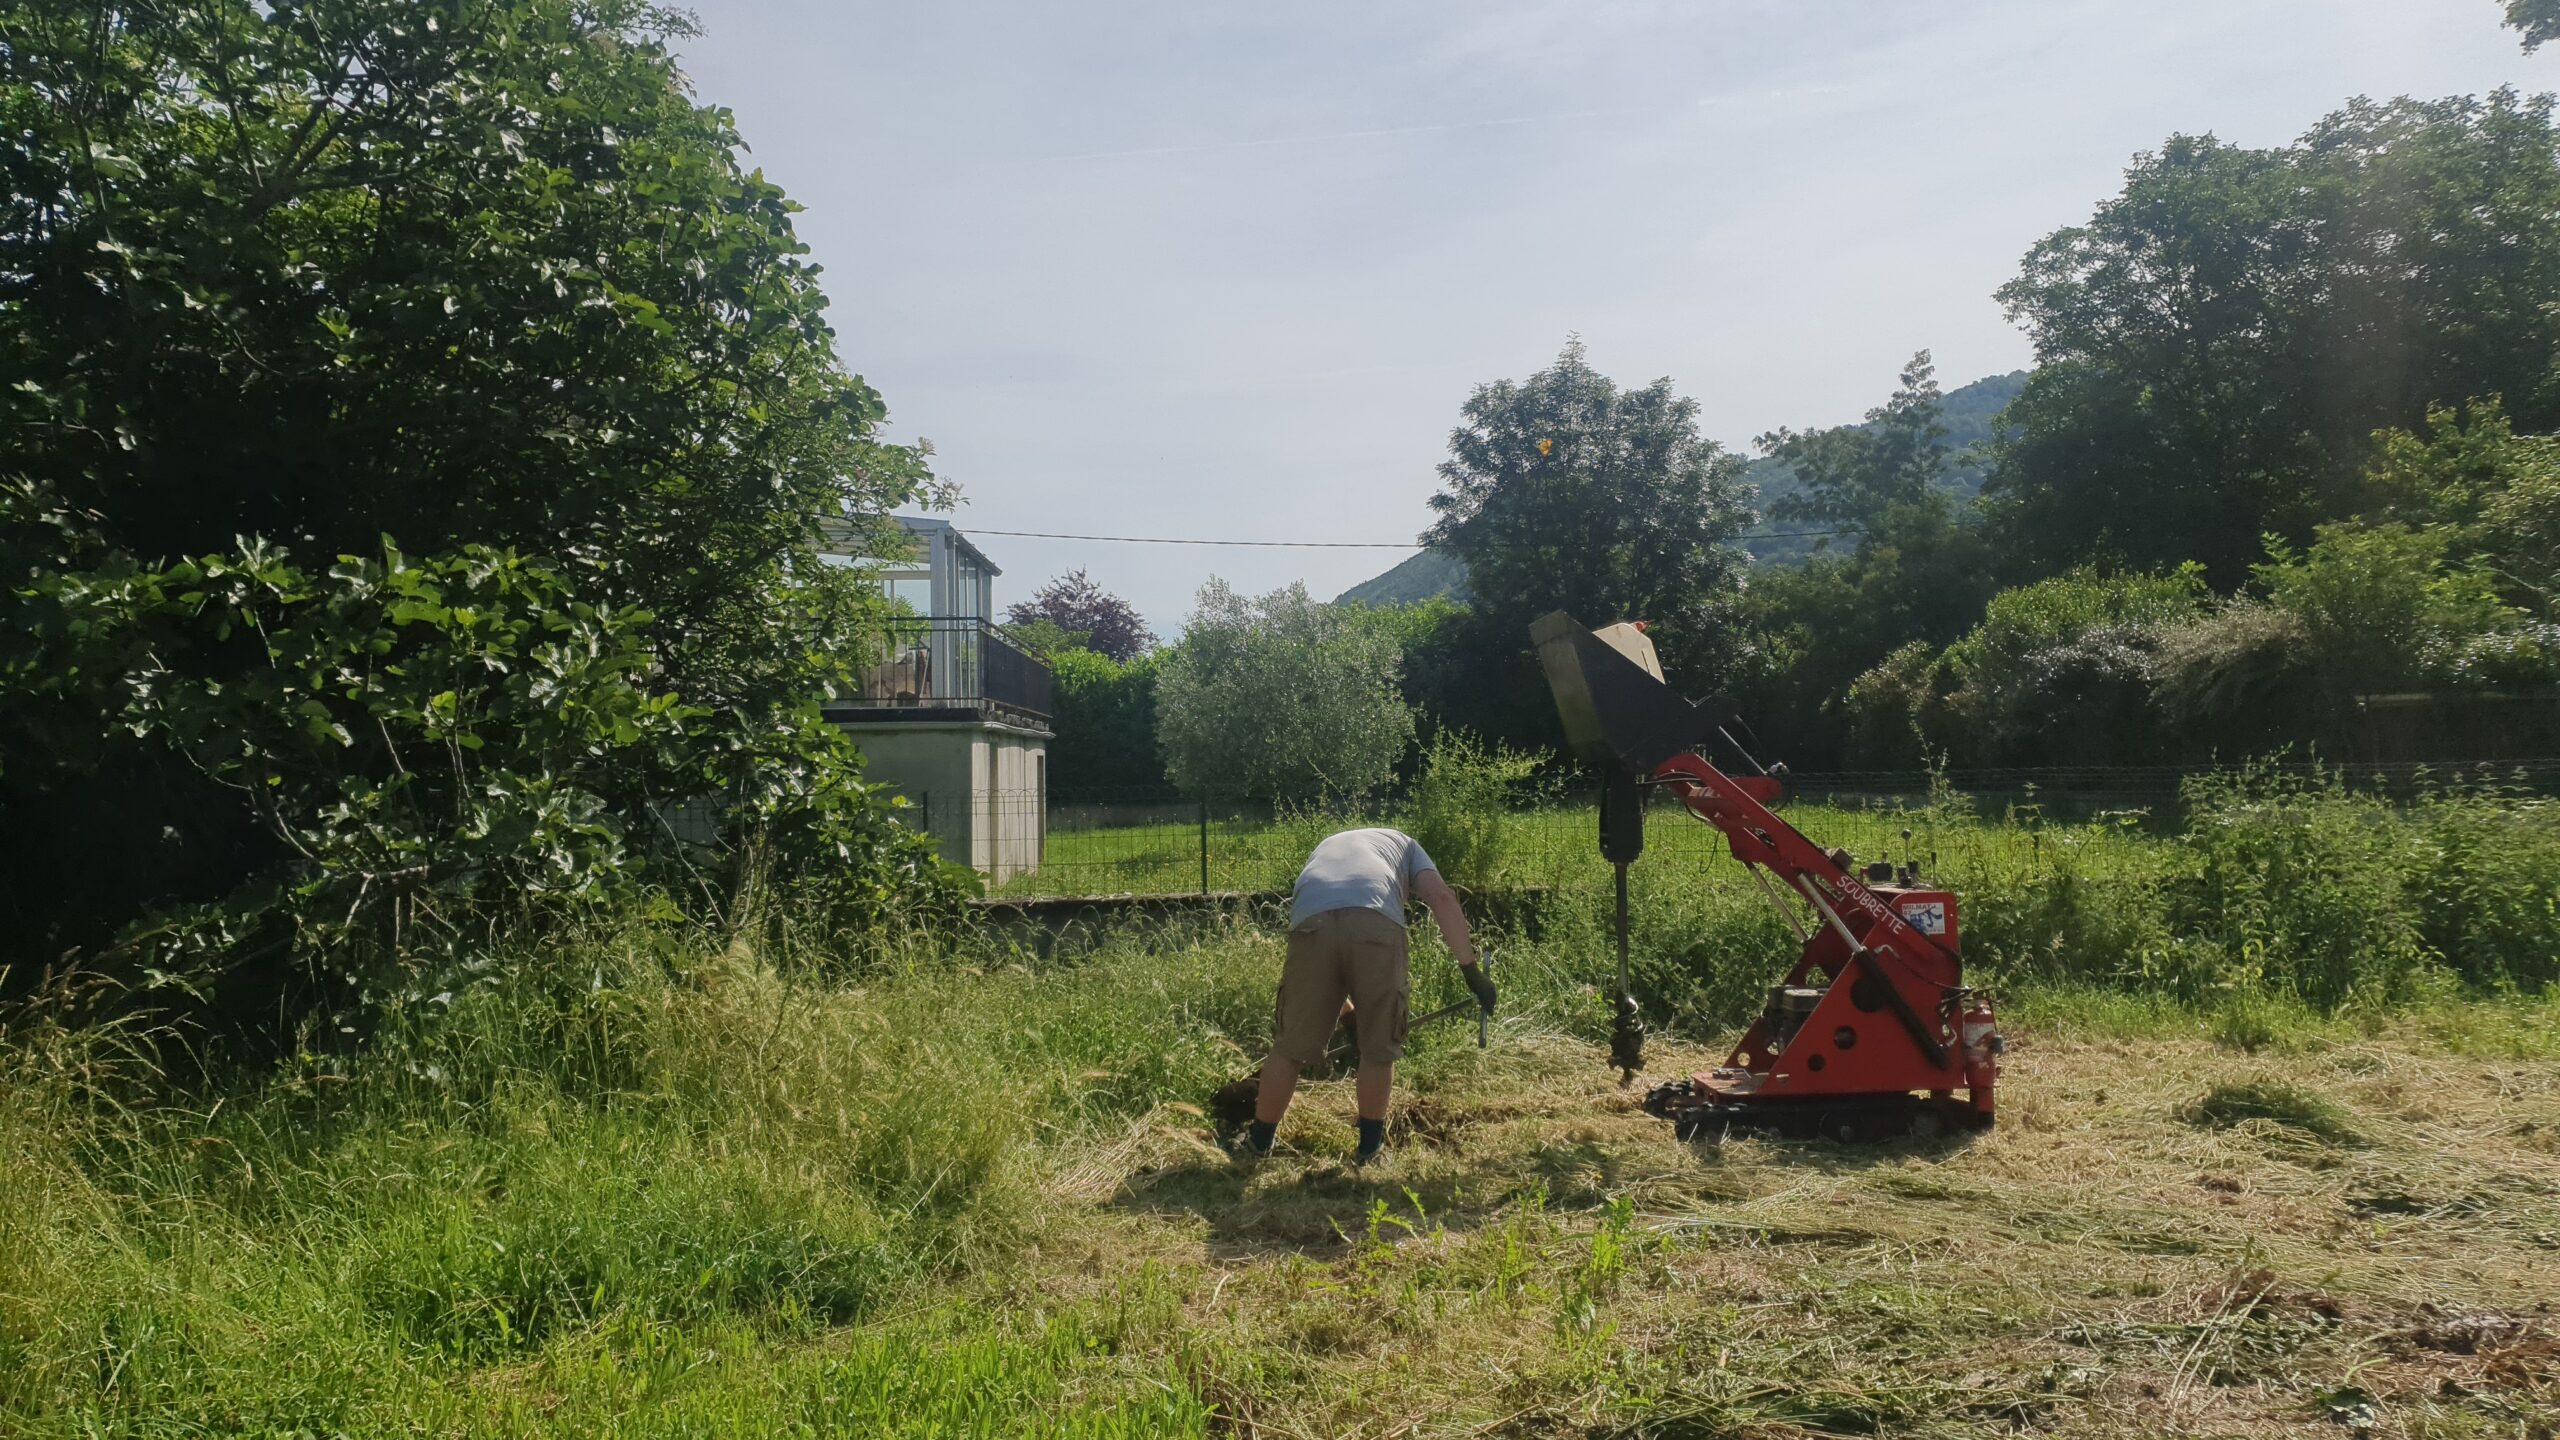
[(986, 1203)]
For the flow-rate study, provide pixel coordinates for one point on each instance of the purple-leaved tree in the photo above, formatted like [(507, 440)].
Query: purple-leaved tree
[(1073, 603)]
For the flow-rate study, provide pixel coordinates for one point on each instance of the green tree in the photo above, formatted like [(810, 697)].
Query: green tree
[(2537, 21), (1854, 475), (1918, 573), (1563, 491), (1280, 697), (2386, 607), (2219, 343), (1818, 626), (289, 281), (2495, 493)]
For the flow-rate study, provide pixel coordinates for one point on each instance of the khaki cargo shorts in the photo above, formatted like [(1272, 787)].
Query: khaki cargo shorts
[(1355, 953)]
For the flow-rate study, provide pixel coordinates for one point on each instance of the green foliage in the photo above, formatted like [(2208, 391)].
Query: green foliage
[(1048, 639), (2276, 1102), (412, 737), (1410, 624), (2307, 888), (1462, 805), (1280, 697), (1563, 491), (2232, 680), (2447, 473), (1919, 580), (476, 286), (1105, 724), (1854, 475), (1893, 707), (2382, 609), (2057, 671), (2222, 339), (2522, 525), (1970, 417), (2537, 22), (2481, 874), (609, 1168)]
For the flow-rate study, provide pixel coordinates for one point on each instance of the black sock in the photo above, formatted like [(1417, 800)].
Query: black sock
[(1373, 1137), (1259, 1137)]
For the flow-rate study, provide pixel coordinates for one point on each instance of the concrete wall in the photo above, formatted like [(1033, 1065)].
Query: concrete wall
[(980, 788)]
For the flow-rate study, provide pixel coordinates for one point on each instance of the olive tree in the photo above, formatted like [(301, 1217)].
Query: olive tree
[(1280, 697)]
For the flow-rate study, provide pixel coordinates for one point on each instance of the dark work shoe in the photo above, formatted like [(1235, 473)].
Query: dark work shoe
[(1373, 1139)]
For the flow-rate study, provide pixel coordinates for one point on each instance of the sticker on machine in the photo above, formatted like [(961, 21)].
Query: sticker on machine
[(1929, 917)]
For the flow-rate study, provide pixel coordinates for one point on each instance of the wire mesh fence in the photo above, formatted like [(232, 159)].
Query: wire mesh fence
[(2096, 822)]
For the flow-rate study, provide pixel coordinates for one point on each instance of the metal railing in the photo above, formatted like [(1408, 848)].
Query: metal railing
[(947, 664)]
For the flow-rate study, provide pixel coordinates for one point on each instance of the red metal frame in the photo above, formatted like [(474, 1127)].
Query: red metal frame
[(1893, 1028)]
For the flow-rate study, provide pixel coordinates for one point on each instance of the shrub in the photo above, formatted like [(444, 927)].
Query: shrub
[(1462, 804), (2383, 608), (2306, 886), (430, 744), (2061, 904), (526, 366), (2058, 671), (2482, 876), (1105, 724), (2229, 681), (1892, 706)]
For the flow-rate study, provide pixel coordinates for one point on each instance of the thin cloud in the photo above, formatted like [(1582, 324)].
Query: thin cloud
[(1391, 132), (1335, 137)]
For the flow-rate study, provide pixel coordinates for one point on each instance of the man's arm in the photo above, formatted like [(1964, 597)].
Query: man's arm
[(1442, 902)]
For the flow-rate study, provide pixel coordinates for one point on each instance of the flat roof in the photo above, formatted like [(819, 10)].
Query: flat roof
[(925, 524), (920, 525)]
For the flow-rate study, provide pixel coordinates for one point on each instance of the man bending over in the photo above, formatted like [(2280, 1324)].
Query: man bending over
[(1347, 943)]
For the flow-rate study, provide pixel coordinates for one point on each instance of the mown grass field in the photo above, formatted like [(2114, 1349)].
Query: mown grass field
[(713, 1202), (649, 1183), (1142, 851)]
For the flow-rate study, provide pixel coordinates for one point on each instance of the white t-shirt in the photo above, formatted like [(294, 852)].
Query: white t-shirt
[(1359, 868)]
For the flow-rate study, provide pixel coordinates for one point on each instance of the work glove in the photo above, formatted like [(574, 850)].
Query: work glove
[(1479, 984)]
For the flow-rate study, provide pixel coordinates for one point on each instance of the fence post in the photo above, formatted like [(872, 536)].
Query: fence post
[(1204, 843)]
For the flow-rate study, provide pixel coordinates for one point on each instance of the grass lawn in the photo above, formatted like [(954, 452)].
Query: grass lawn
[(683, 1196), (1099, 852)]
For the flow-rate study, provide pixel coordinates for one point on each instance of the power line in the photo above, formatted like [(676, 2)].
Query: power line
[(1173, 540), (1306, 544)]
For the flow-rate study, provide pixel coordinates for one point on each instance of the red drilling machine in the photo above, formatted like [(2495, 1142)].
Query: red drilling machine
[(1872, 1033)]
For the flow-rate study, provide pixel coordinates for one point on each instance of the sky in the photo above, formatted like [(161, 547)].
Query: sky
[(1223, 271)]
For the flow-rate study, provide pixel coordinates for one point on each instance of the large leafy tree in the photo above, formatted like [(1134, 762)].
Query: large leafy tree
[(2220, 341), (287, 281), (1282, 697), (1076, 605), (1564, 491)]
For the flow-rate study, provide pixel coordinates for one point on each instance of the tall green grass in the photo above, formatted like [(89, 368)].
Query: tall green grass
[(647, 1182), (2274, 890), (638, 1149)]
